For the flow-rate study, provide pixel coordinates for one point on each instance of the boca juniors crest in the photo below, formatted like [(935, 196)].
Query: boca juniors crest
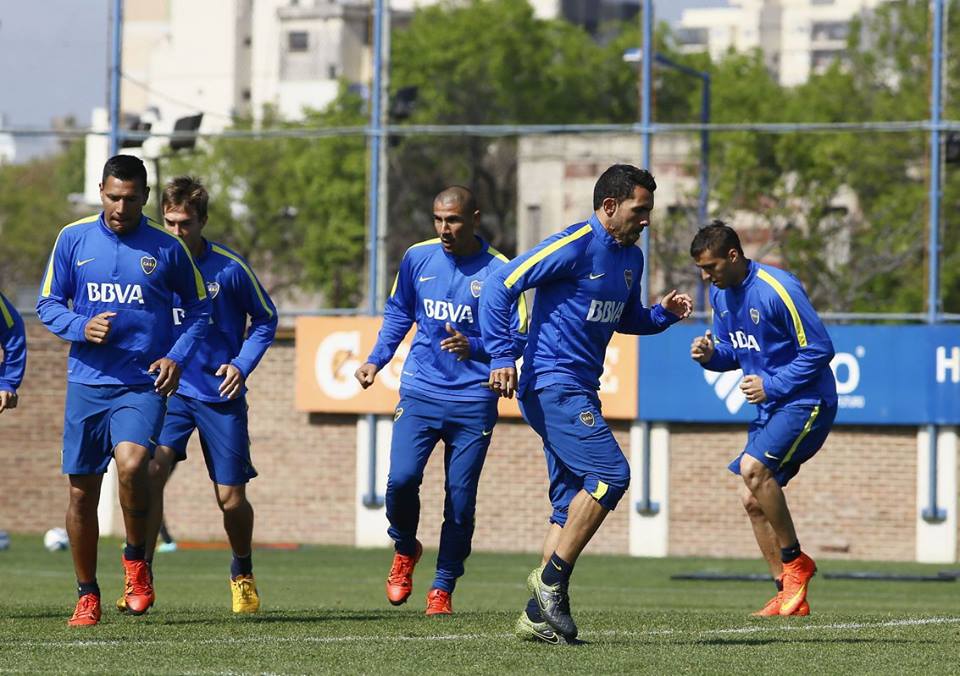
[(397, 414), (213, 288), (586, 417), (755, 315), (475, 287), (148, 264), (628, 277)]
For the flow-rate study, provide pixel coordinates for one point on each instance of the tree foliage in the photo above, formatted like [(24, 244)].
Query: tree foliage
[(492, 62), (34, 205), (847, 210), (293, 206)]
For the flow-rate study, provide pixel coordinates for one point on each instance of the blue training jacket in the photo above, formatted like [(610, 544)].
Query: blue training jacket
[(235, 293), (135, 275), (433, 288), (767, 327), (13, 340), (588, 286)]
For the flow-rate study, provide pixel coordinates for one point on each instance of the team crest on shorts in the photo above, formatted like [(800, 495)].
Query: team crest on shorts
[(397, 414), (628, 277), (213, 288), (586, 417), (475, 287), (755, 315), (148, 264)]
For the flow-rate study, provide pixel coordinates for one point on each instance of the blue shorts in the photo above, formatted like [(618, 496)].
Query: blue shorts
[(580, 448), (223, 436), (788, 438), (98, 417)]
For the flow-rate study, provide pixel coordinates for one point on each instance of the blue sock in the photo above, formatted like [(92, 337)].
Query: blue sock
[(788, 554), (241, 565), (131, 553), (533, 611), (556, 570), (88, 588)]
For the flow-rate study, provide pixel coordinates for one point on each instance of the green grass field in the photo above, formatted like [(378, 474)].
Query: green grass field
[(325, 611)]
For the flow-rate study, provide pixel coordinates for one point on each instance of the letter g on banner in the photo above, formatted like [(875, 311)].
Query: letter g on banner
[(336, 360)]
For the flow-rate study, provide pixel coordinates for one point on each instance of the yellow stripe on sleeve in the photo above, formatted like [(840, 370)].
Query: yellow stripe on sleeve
[(435, 240), (543, 253), (7, 315), (197, 277), (246, 268), (788, 301), (47, 288), (521, 302)]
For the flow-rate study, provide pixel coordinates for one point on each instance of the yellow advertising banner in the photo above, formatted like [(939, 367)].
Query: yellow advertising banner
[(330, 349)]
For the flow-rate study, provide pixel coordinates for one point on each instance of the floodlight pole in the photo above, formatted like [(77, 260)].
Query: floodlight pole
[(117, 54), (373, 499), (933, 512)]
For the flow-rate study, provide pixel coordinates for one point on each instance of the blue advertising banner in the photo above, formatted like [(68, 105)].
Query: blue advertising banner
[(890, 375)]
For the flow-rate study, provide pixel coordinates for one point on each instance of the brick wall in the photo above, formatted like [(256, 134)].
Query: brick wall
[(856, 499)]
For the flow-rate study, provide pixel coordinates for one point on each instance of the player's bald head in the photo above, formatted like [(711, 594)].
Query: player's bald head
[(457, 195)]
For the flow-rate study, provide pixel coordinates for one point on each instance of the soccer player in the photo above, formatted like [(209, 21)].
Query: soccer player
[(588, 286), (13, 340), (443, 388), (109, 289), (766, 326), (211, 398)]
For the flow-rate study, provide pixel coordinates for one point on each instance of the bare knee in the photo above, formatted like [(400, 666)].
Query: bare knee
[(750, 504), (161, 465), (231, 498), (754, 473), (84, 497), (131, 459)]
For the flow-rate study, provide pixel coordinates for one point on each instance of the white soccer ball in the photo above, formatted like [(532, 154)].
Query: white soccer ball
[(56, 539)]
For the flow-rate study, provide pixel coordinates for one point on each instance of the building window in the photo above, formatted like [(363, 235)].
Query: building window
[(689, 37), (298, 41), (332, 72), (830, 30)]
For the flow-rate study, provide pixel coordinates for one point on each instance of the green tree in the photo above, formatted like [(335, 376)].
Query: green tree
[(34, 205), (848, 209), (492, 62), (293, 206)]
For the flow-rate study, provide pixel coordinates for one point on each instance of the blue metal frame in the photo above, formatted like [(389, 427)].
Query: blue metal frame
[(933, 512), (115, 77), (704, 197), (645, 505), (372, 498)]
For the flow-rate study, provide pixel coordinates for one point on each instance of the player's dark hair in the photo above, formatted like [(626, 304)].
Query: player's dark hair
[(186, 191), (125, 168), (460, 194), (619, 182), (717, 238)]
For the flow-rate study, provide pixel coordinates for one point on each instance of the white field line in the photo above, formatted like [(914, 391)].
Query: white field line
[(753, 629)]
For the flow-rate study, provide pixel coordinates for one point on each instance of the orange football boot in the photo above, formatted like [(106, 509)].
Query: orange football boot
[(400, 579), (439, 602), (87, 612), (138, 593), (772, 608), (796, 578)]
